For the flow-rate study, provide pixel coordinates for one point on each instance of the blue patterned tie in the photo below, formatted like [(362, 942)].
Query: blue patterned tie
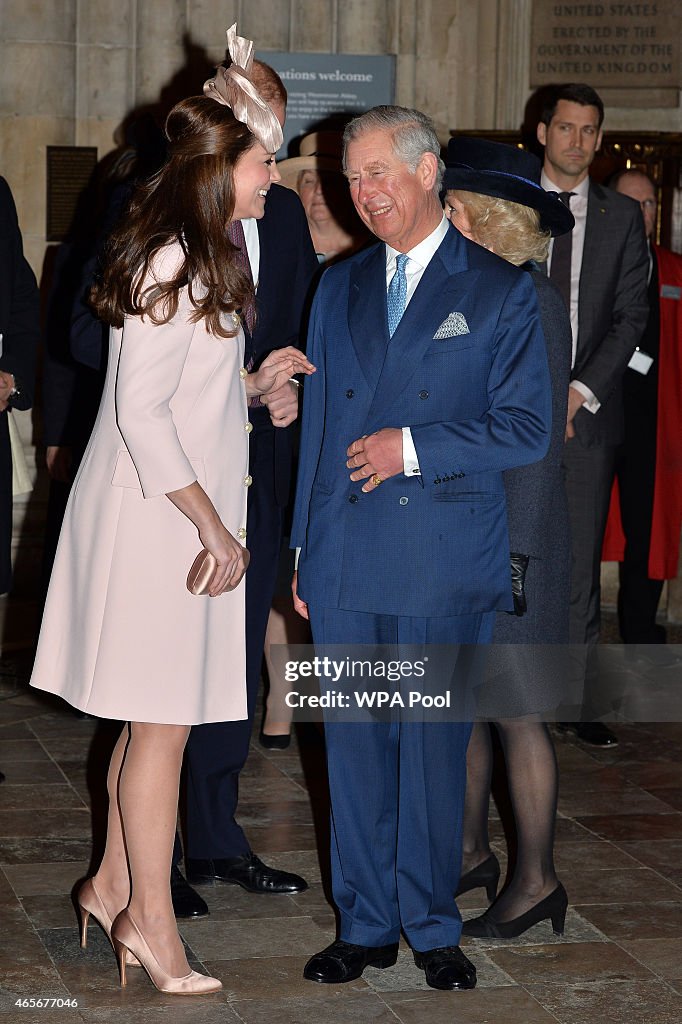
[(397, 293)]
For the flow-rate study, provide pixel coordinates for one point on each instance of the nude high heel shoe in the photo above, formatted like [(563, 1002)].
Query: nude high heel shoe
[(127, 938), (90, 902)]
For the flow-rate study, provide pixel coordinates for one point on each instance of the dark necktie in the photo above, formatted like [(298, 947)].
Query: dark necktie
[(560, 270), (235, 232)]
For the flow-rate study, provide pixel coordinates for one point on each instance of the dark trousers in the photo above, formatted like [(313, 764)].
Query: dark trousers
[(588, 475), (397, 797), (217, 752), (638, 595)]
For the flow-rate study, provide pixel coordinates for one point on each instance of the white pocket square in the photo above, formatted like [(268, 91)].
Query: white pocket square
[(452, 326)]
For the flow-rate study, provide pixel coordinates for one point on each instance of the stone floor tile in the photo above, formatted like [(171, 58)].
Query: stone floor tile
[(589, 885), (46, 823), (671, 796), (653, 775), (34, 850), (254, 814), (617, 827), (569, 963), (50, 911), (262, 977), (43, 879), (271, 790), (37, 797), (339, 1007), (592, 855), (234, 903), (617, 1002), (621, 921), (626, 800), (480, 1006), (20, 773), (21, 750), (661, 854), (210, 1009), (662, 956), (264, 937), (302, 862), (278, 838)]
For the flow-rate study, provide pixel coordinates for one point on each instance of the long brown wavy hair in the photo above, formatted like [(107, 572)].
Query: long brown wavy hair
[(189, 201)]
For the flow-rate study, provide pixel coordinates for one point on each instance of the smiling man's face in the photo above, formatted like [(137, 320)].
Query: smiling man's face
[(397, 204)]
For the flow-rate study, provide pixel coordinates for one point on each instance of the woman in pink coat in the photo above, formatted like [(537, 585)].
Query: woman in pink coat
[(165, 473)]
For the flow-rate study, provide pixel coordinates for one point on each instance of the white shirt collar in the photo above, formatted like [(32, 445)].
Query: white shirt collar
[(580, 190), (424, 251)]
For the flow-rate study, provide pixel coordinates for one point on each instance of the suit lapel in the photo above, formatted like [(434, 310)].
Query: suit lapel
[(596, 237), (367, 318), (441, 290)]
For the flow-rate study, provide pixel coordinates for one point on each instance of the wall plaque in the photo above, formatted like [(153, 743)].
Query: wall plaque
[(321, 85), (616, 45), (68, 172)]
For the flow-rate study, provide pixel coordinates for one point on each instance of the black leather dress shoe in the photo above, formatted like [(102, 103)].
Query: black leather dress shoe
[(186, 902), (595, 734), (446, 968), (248, 871), (344, 961)]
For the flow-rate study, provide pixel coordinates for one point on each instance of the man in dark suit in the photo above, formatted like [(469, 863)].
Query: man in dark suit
[(649, 461), (283, 264), (19, 337), (601, 270), (431, 380)]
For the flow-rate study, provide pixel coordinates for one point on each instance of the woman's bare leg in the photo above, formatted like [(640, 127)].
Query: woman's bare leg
[(112, 877), (148, 799)]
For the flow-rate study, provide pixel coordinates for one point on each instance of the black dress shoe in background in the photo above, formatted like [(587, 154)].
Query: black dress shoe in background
[(186, 902), (596, 734), (249, 871), (345, 961), (446, 968)]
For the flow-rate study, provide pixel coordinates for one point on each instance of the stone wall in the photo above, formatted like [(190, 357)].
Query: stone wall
[(70, 70)]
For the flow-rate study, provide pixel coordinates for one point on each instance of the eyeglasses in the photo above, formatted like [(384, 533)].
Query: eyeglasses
[(647, 204)]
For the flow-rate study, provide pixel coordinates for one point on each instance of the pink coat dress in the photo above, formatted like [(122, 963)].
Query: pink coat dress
[(121, 636)]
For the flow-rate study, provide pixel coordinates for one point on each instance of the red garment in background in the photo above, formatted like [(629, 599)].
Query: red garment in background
[(667, 512)]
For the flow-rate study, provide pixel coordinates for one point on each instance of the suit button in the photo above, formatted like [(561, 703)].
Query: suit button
[(423, 394), (248, 427), (350, 393), (241, 533), (248, 480), (353, 498), (404, 500)]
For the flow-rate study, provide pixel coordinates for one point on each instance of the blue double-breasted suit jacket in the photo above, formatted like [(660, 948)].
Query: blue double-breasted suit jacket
[(477, 403), (417, 556)]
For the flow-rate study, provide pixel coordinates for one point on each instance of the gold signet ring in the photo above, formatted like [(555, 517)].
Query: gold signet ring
[(376, 480)]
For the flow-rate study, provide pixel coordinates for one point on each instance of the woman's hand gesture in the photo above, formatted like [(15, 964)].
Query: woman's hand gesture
[(276, 369)]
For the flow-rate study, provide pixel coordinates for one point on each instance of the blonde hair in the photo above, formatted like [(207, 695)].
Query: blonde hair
[(510, 229)]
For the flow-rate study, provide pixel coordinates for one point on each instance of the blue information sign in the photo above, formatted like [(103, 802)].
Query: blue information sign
[(322, 85)]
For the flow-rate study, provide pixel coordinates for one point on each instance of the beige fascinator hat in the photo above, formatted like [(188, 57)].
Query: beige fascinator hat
[(320, 151), (232, 86)]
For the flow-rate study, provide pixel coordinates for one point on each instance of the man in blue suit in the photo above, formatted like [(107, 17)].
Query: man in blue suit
[(431, 380)]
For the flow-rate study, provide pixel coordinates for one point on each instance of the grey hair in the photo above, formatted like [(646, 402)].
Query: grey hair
[(412, 134)]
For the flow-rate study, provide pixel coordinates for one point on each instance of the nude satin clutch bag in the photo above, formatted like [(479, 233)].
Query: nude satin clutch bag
[(202, 571)]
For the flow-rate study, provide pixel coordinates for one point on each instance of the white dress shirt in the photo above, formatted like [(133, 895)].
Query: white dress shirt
[(578, 208), (419, 258), (250, 226)]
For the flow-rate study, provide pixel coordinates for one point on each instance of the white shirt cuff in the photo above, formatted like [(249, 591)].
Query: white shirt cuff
[(297, 555), (591, 403), (410, 460)]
